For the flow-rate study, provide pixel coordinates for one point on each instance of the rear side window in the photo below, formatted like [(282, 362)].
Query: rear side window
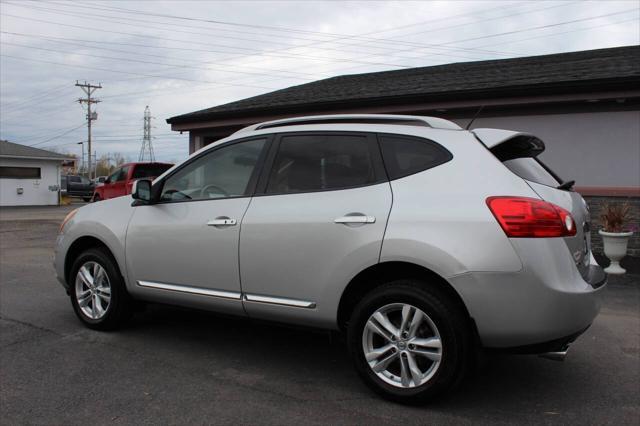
[(406, 155), (519, 155), (533, 170), (307, 163)]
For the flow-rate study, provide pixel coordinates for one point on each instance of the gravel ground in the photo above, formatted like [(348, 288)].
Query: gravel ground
[(176, 366)]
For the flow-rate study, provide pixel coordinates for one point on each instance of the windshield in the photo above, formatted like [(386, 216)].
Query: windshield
[(150, 170)]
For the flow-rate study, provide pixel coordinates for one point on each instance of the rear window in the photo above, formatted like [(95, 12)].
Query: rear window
[(406, 155), (149, 170)]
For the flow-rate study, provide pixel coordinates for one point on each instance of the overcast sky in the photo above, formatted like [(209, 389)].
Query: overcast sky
[(181, 56)]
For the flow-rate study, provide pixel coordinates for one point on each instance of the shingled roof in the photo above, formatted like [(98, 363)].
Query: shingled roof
[(572, 72), (15, 150)]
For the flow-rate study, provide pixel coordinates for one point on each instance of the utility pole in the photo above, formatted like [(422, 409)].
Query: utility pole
[(147, 148), (88, 89)]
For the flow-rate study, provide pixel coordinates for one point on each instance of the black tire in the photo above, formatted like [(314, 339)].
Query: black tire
[(86, 199), (120, 307), (451, 322), (96, 198)]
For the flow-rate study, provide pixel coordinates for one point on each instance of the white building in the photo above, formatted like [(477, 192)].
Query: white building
[(29, 176)]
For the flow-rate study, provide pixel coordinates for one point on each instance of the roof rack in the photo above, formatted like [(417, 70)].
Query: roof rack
[(404, 120)]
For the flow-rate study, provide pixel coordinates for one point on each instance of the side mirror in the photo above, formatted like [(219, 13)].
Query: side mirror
[(141, 190), (107, 180)]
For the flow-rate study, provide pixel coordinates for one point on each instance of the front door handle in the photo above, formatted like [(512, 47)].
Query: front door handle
[(356, 219), (222, 221)]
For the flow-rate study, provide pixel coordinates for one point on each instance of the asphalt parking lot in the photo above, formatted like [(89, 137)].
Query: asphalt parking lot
[(176, 366)]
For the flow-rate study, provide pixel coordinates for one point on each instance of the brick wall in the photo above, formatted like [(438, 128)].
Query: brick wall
[(595, 206)]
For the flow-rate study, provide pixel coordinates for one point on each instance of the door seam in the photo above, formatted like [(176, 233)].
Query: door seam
[(239, 260)]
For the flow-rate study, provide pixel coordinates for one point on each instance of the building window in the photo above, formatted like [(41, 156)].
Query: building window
[(20, 172)]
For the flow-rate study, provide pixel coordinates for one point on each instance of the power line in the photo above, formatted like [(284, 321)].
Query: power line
[(70, 42), (131, 73), (143, 62), (110, 18), (184, 41), (19, 103), (139, 35), (45, 134), (530, 29), (567, 32), (58, 136), (342, 36), (256, 51), (591, 18), (34, 104), (299, 46)]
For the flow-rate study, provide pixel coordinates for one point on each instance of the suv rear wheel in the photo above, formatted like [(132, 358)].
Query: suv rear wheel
[(98, 292), (409, 342)]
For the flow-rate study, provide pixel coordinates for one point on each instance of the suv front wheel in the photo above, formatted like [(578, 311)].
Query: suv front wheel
[(97, 290), (410, 342)]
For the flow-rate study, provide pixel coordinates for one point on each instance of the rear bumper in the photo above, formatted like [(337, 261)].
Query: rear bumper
[(555, 345), (538, 309)]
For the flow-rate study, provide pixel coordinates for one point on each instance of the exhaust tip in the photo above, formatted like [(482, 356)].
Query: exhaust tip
[(557, 355)]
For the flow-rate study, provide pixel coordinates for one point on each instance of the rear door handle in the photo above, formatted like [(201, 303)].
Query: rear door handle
[(222, 221), (356, 219)]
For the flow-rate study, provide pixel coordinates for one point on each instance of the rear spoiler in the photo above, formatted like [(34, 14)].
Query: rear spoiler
[(507, 144)]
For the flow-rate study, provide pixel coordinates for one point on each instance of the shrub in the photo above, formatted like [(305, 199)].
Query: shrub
[(614, 216)]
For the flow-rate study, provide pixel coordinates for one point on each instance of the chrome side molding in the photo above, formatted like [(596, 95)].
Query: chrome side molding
[(278, 301), (223, 294), (192, 290)]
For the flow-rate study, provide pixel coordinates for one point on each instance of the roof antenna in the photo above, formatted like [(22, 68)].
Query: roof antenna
[(474, 117)]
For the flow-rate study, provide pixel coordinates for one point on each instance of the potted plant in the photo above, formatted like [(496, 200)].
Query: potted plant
[(614, 237)]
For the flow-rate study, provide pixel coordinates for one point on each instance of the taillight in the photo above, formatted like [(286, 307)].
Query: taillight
[(522, 217)]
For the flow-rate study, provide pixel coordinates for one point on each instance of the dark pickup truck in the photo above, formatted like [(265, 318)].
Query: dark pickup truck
[(77, 186)]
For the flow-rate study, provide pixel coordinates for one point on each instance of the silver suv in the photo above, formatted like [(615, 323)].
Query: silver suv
[(420, 240)]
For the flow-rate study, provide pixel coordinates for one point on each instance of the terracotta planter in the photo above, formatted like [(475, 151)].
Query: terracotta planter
[(615, 248)]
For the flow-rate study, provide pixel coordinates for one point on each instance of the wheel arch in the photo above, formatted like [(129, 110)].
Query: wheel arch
[(81, 244), (380, 273)]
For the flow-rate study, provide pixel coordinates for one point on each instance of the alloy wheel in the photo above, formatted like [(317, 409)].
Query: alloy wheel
[(93, 290), (402, 345)]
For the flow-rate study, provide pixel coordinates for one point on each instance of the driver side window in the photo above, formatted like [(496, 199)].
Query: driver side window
[(222, 173)]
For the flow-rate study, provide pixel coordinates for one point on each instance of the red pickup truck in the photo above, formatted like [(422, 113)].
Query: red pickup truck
[(119, 183)]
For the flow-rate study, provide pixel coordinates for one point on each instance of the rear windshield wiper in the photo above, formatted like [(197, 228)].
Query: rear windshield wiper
[(567, 185)]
